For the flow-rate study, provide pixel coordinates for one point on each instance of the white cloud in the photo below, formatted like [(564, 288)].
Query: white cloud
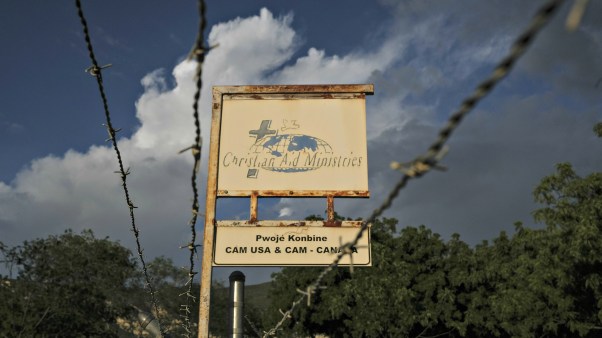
[(249, 48), (165, 115), (285, 212), (317, 68)]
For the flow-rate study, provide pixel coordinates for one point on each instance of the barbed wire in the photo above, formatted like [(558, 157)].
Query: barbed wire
[(197, 53), (423, 164), (96, 71), (253, 327)]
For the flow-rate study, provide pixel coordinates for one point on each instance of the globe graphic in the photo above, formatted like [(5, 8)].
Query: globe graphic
[(278, 145), (291, 144)]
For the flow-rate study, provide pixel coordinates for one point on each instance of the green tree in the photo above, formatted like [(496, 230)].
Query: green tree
[(76, 285), (573, 212), (544, 282), (518, 286), (170, 283), (66, 286), (406, 293)]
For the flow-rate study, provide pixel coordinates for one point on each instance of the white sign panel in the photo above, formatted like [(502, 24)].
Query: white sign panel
[(287, 245), (299, 144)]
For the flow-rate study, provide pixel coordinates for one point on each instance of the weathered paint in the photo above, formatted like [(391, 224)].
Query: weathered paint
[(208, 242), (295, 89), (293, 193), (253, 211), (284, 223), (330, 207)]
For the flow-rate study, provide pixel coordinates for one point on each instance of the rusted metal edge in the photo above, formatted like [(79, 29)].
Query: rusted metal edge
[(332, 223), (294, 193), (330, 207), (292, 96), (367, 89), (285, 223), (253, 211), (210, 203), (305, 265)]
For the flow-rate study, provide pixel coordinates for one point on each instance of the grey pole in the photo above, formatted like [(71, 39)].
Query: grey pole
[(237, 296)]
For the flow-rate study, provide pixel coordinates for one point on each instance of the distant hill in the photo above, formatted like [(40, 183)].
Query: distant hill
[(258, 295)]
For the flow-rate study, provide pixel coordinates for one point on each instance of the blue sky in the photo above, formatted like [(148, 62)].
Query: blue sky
[(423, 57)]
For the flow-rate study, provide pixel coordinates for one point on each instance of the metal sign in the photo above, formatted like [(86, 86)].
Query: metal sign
[(287, 243), (300, 143), (294, 141)]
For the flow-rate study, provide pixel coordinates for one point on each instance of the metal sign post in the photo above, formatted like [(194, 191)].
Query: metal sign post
[(236, 305), (283, 141)]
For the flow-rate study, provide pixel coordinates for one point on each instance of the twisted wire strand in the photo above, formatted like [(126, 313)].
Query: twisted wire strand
[(198, 53), (96, 71), (253, 327), (424, 163)]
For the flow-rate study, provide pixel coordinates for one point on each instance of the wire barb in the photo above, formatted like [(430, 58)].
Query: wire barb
[(421, 166), (307, 294), (576, 14), (112, 132), (94, 70), (191, 246), (253, 327), (187, 148), (197, 52)]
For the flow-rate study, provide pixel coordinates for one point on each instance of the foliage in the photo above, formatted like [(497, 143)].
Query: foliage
[(76, 285), (573, 212), (169, 282), (536, 283), (66, 286), (598, 129)]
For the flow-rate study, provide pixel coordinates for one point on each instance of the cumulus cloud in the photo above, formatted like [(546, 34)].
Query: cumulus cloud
[(423, 64), (249, 48)]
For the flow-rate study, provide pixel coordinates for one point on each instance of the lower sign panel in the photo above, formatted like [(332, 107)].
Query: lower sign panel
[(276, 243)]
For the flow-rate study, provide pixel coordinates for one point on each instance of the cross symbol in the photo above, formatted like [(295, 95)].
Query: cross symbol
[(264, 130)]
